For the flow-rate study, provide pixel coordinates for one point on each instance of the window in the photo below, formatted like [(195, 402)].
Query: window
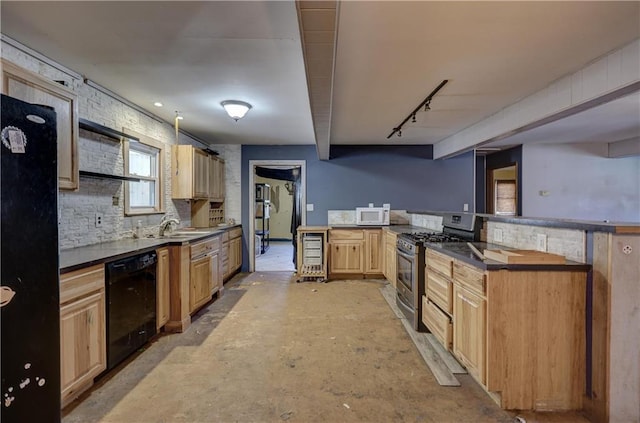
[(143, 160), (506, 197)]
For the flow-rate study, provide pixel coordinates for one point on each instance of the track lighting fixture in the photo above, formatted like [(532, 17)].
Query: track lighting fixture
[(427, 106)]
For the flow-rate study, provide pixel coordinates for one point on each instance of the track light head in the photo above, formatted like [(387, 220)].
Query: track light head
[(427, 105), (413, 118), (399, 133)]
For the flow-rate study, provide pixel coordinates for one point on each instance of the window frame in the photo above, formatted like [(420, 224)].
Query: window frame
[(146, 141), (511, 182)]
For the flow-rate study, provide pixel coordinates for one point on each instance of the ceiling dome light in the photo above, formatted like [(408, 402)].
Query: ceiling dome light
[(236, 109), (158, 104)]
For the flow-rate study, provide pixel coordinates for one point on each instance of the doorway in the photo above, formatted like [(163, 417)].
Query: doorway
[(277, 191), (502, 190)]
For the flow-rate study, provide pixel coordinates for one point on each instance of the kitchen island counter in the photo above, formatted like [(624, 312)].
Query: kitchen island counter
[(462, 252)]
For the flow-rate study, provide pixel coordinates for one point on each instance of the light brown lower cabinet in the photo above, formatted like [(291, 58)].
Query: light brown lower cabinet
[(231, 252), (470, 332), (390, 268), (373, 253), (163, 298), (83, 352)]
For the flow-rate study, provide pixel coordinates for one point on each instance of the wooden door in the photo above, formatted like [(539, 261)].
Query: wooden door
[(469, 334), (373, 251), (200, 174), (163, 298), (200, 290), (33, 88), (83, 350), (235, 254), (346, 256), (216, 272)]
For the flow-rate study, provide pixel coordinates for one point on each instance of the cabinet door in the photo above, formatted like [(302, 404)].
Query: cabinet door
[(235, 254), (469, 334), (82, 342), (373, 251), (200, 288), (220, 179), (32, 88), (346, 257), (162, 293), (200, 174), (226, 268), (390, 264), (216, 179), (216, 273)]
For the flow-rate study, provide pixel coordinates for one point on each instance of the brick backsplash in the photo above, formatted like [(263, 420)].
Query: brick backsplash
[(567, 242), (77, 209)]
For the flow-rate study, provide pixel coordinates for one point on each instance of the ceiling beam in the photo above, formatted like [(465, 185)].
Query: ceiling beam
[(318, 22), (625, 148)]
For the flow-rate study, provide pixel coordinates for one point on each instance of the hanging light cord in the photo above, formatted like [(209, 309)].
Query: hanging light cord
[(412, 115)]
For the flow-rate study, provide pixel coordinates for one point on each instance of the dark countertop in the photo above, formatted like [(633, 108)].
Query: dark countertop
[(547, 222), (395, 228), (89, 255), (462, 252)]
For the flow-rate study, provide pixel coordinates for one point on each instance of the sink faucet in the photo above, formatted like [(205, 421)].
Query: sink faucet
[(165, 223)]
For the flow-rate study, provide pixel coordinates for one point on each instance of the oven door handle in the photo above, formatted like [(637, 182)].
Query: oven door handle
[(405, 255)]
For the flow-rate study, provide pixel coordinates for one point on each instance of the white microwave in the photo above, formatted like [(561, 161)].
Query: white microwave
[(372, 216)]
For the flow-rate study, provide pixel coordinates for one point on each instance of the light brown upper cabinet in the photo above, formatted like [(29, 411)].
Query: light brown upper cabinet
[(33, 88), (189, 173), (216, 179)]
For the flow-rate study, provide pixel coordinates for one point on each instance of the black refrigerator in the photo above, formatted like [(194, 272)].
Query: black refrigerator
[(29, 274)]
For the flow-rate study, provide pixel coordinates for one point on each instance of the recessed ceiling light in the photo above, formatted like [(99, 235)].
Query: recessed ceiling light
[(158, 104)]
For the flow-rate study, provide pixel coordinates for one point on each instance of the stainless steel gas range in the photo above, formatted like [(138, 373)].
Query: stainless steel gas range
[(410, 260)]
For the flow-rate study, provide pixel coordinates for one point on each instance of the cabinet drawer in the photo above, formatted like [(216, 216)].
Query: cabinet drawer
[(470, 277), (235, 233), (335, 234), (81, 282), (439, 262), (438, 323), (440, 291), (203, 247)]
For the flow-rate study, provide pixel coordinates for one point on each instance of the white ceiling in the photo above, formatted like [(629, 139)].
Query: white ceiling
[(389, 56)]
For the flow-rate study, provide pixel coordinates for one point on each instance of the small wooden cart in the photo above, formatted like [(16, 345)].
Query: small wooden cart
[(312, 254)]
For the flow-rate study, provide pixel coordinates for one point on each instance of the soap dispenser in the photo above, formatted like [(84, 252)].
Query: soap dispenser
[(138, 233)]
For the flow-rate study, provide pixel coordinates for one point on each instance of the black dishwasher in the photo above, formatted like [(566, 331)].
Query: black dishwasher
[(131, 305)]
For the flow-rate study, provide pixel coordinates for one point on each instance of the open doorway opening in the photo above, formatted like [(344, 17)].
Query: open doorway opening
[(277, 198), (502, 191)]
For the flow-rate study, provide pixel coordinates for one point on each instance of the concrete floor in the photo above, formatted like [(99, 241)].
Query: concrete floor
[(274, 350)]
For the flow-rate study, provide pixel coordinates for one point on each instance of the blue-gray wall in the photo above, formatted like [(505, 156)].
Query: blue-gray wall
[(404, 176)]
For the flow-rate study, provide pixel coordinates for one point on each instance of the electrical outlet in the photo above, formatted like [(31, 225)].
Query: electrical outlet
[(541, 242), (497, 235), (310, 207), (115, 200), (99, 219), (465, 207)]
